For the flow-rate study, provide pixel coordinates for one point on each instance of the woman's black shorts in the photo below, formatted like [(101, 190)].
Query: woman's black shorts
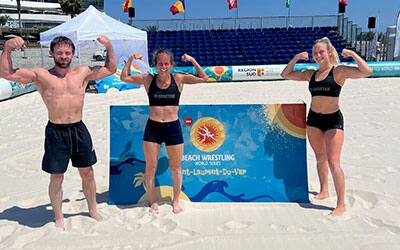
[(325, 121), (159, 132)]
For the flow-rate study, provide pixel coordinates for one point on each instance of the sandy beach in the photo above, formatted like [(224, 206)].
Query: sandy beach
[(370, 159)]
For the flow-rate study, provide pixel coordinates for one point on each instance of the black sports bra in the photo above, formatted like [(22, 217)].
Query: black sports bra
[(163, 97), (326, 87)]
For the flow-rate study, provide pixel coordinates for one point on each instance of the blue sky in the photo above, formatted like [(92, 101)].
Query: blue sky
[(357, 11)]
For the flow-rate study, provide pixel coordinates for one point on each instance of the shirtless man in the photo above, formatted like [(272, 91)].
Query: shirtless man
[(66, 137)]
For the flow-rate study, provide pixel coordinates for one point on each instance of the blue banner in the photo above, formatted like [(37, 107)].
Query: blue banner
[(232, 153), (113, 83), (239, 73)]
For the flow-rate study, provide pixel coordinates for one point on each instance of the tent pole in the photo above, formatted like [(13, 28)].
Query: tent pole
[(41, 55), (79, 55)]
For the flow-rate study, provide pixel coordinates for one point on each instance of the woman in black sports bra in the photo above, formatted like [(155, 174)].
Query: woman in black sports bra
[(325, 121), (163, 90)]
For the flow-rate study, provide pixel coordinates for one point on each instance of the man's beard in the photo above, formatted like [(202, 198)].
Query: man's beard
[(62, 64)]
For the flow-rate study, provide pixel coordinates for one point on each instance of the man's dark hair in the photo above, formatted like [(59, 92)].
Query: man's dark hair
[(61, 40)]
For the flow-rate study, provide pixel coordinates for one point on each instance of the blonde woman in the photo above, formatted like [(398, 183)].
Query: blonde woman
[(325, 123)]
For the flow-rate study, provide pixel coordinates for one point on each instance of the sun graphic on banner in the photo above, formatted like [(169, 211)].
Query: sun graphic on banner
[(207, 134), (135, 68), (163, 193), (311, 68), (138, 67), (289, 117), (112, 90), (219, 70)]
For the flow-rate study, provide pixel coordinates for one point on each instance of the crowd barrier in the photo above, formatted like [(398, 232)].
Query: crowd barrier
[(9, 89)]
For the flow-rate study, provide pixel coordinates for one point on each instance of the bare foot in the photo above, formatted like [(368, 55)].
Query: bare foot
[(60, 223), (338, 211), (95, 215), (176, 208), (154, 208), (321, 195)]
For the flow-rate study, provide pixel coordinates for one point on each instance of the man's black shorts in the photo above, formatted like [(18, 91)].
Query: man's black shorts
[(64, 142)]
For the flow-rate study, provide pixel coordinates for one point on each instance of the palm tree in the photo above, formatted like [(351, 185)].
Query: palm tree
[(19, 17), (153, 28), (71, 7), (3, 20)]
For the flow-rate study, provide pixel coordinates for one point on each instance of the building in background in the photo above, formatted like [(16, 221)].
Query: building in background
[(34, 14), (98, 4)]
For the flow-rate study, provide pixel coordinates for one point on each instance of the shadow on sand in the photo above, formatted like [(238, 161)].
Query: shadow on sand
[(39, 216)]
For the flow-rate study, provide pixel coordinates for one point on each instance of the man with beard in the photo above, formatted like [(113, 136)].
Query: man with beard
[(66, 137)]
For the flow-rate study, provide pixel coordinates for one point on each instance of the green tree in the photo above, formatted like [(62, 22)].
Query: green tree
[(381, 37), (71, 7), (366, 36), (3, 20), (42, 28), (98, 4), (151, 28)]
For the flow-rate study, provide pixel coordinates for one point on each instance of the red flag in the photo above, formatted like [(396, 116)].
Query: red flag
[(178, 7), (232, 4), (126, 5)]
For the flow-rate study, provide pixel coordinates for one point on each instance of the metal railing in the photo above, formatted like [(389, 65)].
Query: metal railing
[(351, 33), (238, 23), (348, 31)]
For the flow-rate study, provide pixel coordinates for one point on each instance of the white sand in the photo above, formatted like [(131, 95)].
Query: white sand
[(371, 162)]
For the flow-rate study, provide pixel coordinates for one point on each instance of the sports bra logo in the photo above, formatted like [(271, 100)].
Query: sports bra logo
[(164, 96), (321, 88)]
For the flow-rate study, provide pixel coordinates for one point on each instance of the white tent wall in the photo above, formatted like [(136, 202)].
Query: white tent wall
[(124, 48), (397, 40), (84, 29)]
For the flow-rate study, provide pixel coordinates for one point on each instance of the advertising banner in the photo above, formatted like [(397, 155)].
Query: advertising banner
[(257, 72), (232, 153)]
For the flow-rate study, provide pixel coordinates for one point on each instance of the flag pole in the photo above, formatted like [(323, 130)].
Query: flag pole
[(237, 15), (288, 6), (184, 15), (237, 10)]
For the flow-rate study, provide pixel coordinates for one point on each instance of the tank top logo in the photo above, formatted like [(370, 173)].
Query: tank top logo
[(164, 96), (321, 89)]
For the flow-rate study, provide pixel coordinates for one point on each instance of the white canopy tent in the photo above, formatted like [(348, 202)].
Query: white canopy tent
[(84, 29), (397, 40)]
